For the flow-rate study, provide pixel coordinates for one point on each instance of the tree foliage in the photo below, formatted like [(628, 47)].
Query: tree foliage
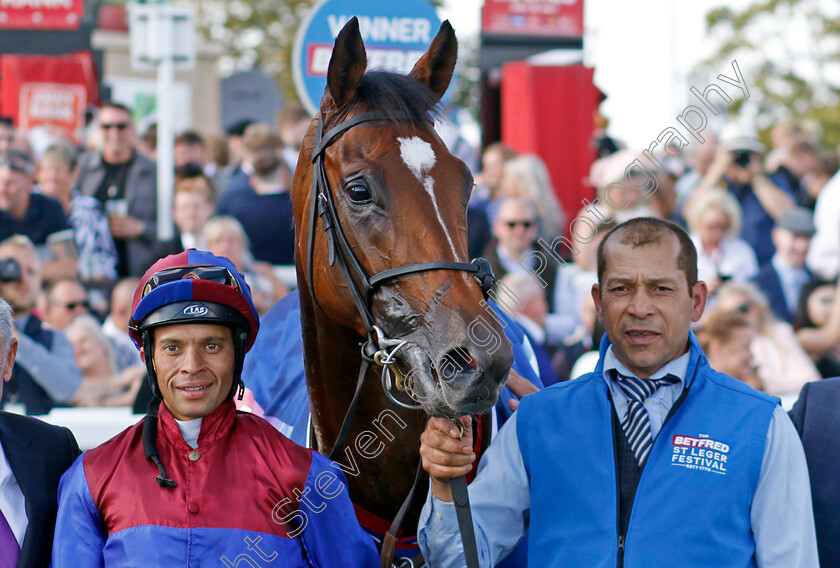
[(789, 52), (255, 33), (260, 33)]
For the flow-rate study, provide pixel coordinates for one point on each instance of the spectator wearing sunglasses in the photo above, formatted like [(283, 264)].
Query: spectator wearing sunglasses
[(64, 301), (527, 176), (514, 232), (45, 373), (125, 183), (783, 366)]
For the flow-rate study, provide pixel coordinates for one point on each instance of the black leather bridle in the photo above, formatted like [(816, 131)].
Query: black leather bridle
[(323, 206)]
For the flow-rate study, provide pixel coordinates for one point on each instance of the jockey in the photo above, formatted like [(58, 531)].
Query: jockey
[(200, 484)]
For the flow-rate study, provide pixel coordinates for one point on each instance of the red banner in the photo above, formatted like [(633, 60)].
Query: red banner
[(549, 18), (48, 92), (41, 14)]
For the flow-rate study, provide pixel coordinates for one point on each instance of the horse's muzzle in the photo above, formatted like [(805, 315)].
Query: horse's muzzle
[(462, 381)]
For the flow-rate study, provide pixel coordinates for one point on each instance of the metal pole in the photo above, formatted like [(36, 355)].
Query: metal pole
[(164, 26)]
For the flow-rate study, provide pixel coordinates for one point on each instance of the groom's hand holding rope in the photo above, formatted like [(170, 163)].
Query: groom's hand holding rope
[(444, 455)]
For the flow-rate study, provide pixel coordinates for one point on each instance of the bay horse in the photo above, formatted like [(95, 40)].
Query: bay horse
[(381, 254)]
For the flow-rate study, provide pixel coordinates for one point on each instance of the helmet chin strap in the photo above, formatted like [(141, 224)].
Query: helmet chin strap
[(148, 352), (240, 337)]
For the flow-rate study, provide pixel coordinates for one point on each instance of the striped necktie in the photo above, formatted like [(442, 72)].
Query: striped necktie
[(636, 423)]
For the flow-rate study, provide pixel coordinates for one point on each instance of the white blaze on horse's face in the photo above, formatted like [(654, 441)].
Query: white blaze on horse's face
[(419, 156)]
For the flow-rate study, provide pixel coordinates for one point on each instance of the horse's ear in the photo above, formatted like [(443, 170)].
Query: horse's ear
[(347, 64), (436, 66)]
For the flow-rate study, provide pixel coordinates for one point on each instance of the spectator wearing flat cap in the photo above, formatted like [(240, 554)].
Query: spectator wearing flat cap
[(36, 216), (783, 278)]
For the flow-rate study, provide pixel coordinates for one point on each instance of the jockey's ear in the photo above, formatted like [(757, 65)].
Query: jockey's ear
[(436, 66), (347, 65)]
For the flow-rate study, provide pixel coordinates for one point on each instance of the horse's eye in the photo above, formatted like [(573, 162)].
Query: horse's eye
[(358, 191)]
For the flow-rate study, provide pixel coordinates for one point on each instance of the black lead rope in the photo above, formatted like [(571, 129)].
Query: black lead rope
[(461, 497)]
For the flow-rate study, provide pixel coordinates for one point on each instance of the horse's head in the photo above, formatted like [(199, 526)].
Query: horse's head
[(398, 198)]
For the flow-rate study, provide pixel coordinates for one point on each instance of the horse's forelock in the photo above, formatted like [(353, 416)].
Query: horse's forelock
[(395, 96)]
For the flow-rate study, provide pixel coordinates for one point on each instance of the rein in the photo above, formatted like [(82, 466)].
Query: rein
[(378, 349)]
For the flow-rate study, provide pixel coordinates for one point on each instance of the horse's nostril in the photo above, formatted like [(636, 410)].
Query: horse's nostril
[(457, 364)]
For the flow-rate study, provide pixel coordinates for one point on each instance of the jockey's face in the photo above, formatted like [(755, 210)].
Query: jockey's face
[(194, 367)]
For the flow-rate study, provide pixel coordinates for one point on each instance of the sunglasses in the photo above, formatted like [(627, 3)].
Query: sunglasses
[(117, 125), (73, 305), (212, 273), (742, 309), (525, 224)]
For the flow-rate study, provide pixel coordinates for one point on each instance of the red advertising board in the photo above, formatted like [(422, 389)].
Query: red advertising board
[(548, 18), (41, 14), (48, 92), (549, 111)]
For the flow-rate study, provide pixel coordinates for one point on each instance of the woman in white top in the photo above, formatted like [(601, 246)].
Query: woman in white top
[(713, 221)]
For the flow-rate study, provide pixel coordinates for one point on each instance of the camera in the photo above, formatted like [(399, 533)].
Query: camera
[(9, 270), (742, 158)]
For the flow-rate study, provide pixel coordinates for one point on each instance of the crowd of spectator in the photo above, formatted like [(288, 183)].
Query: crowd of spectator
[(78, 227), (766, 225)]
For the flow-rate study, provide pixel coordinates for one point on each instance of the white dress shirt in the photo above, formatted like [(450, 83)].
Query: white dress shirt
[(12, 502), (190, 429), (792, 281), (824, 252), (188, 241)]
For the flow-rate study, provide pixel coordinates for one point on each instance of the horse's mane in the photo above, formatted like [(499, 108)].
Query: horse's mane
[(395, 96)]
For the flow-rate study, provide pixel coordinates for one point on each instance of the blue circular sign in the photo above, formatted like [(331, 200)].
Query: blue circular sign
[(396, 34)]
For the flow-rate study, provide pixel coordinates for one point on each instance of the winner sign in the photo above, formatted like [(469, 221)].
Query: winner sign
[(396, 34)]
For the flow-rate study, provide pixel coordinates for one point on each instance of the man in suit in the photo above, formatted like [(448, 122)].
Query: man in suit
[(514, 234), (33, 456), (783, 278), (816, 416)]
